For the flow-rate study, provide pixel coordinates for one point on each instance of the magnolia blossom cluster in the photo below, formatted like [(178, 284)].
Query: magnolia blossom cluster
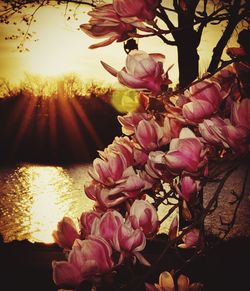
[(117, 21), (103, 241), (172, 145), (170, 140)]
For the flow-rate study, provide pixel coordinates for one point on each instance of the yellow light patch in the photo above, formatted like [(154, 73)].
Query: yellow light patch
[(125, 100)]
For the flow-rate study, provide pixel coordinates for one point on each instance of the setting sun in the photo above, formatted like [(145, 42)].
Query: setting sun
[(49, 62), (61, 47)]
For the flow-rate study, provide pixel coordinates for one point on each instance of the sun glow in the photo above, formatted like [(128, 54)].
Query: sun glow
[(51, 63), (62, 48), (55, 53)]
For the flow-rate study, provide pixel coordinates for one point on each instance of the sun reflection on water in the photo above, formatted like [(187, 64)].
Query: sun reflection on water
[(35, 198), (46, 210)]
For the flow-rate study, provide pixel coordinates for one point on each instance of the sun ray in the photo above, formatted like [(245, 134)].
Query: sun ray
[(41, 123), (70, 125), (84, 118), (19, 121), (52, 120), (25, 123), (15, 115)]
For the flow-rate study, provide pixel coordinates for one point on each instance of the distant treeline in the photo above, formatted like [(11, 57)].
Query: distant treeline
[(63, 128)]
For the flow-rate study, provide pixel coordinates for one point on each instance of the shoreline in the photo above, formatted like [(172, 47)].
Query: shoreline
[(26, 266)]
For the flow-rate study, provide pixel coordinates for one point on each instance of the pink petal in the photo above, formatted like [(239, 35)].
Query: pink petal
[(130, 81), (158, 57), (65, 273), (110, 69), (141, 259), (104, 43)]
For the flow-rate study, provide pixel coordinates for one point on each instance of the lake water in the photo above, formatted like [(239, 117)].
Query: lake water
[(33, 198)]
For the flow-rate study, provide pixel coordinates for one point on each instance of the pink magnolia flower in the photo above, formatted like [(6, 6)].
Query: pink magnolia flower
[(175, 127), (105, 200), (188, 186), (129, 241), (206, 97), (240, 114), (88, 258), (101, 195), (207, 91), (185, 154), (107, 225), (217, 131), (143, 215), (121, 145), (236, 137), (140, 156), (66, 273), (190, 239), (130, 121), (150, 135), (86, 221), (66, 233), (92, 189), (196, 111), (210, 131), (108, 171), (129, 186), (142, 71), (143, 9), (156, 166), (105, 22)]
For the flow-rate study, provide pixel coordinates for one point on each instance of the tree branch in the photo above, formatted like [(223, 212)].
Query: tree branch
[(166, 41), (163, 16)]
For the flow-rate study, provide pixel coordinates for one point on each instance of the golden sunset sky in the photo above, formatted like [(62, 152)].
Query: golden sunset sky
[(63, 48)]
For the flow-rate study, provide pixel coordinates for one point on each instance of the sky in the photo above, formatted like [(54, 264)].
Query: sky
[(63, 48)]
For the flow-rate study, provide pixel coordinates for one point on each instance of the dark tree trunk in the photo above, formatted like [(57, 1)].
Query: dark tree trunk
[(187, 43), (188, 60), (218, 50)]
